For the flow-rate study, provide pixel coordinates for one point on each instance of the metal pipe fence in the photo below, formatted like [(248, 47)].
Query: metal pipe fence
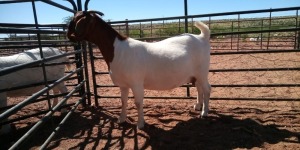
[(275, 33), (240, 66), (25, 36)]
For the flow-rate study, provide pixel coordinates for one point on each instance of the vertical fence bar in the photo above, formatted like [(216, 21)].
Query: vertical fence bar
[(151, 29), (141, 32), (270, 24), (41, 51), (78, 58), (231, 40), (209, 22), (163, 24), (92, 58), (126, 27), (261, 34), (79, 5), (238, 37), (192, 27), (87, 83), (179, 26), (296, 35), (186, 17), (39, 39)]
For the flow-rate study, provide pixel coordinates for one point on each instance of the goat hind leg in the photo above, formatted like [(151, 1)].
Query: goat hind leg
[(199, 103), (206, 94), (138, 93)]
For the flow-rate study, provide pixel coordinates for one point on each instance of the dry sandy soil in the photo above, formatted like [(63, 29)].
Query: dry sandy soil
[(173, 124)]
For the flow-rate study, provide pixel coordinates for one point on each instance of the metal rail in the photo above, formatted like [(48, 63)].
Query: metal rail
[(212, 98), (225, 85), (46, 118), (207, 15), (38, 29), (22, 104), (34, 63)]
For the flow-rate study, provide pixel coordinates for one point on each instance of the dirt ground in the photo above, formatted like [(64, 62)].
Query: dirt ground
[(173, 124)]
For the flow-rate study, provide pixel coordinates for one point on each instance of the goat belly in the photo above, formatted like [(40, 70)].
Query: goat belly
[(29, 76), (24, 92), (165, 81)]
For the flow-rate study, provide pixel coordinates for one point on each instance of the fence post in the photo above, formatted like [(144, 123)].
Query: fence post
[(270, 25), (297, 33), (41, 52), (127, 28), (238, 36), (186, 28), (86, 74), (92, 58)]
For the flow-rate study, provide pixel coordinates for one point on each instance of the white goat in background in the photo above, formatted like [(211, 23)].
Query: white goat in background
[(30, 76), (140, 65), (255, 38)]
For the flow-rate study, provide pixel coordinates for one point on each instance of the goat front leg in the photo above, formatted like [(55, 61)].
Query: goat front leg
[(138, 93), (124, 99)]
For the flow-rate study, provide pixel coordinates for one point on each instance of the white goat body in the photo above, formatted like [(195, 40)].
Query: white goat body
[(30, 75), (161, 66), (255, 38)]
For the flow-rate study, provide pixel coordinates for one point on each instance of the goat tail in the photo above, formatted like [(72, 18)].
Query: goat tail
[(205, 32)]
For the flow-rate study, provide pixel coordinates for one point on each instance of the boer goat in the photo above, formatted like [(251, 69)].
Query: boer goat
[(140, 65), (30, 76)]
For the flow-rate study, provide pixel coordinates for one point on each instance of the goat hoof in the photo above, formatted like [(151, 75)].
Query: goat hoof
[(63, 111), (5, 129), (121, 120), (204, 115), (197, 107), (141, 125)]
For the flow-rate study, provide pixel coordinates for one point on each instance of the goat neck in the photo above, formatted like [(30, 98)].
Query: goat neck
[(103, 35)]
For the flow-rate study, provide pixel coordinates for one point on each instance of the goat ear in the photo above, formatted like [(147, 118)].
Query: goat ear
[(81, 26)]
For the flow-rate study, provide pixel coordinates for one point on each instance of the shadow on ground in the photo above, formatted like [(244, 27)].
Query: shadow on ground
[(95, 128)]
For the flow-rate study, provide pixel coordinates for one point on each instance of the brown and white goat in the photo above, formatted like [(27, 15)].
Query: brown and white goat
[(140, 65)]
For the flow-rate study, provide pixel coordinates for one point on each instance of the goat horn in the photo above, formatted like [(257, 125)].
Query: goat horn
[(86, 5), (73, 4), (97, 12)]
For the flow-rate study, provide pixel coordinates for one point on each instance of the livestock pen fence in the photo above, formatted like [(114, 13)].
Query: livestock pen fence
[(254, 54), (17, 37)]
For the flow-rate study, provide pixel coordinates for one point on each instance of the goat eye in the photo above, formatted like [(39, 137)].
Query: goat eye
[(71, 25), (80, 25)]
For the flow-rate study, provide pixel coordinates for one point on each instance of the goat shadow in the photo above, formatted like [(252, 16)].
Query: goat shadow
[(218, 131)]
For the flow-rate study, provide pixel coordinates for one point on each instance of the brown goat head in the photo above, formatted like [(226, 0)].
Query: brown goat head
[(80, 25)]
